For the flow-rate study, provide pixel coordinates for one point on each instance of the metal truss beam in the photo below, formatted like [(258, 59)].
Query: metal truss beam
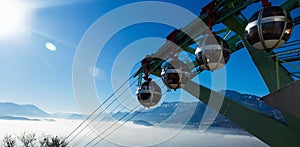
[(260, 125)]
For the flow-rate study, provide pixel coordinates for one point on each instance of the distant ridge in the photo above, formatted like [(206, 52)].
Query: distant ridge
[(28, 110), (76, 116), (17, 118), (163, 112)]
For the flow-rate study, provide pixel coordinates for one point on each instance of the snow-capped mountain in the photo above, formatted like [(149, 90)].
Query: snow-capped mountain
[(168, 113), (28, 110)]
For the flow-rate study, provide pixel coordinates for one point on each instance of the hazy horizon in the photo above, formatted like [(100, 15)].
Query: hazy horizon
[(139, 137)]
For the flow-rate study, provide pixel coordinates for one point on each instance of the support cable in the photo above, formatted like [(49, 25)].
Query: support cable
[(94, 112), (117, 128), (112, 125), (101, 112), (101, 121), (98, 108)]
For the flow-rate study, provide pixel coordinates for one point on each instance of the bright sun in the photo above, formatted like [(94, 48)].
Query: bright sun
[(13, 14)]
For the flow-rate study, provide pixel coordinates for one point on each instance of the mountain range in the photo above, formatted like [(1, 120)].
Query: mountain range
[(28, 110), (168, 113), (180, 113), (13, 111)]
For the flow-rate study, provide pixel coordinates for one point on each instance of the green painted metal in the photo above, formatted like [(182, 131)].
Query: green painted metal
[(189, 49), (290, 5), (262, 60), (265, 65), (227, 34), (195, 29), (262, 126), (236, 24), (290, 64), (267, 68), (277, 74), (222, 31), (233, 7), (294, 123), (226, 10), (232, 41)]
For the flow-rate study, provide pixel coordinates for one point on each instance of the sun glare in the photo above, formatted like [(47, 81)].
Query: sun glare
[(13, 14)]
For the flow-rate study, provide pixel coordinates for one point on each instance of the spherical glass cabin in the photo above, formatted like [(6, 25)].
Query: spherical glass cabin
[(149, 94), (175, 74), (269, 28), (212, 53)]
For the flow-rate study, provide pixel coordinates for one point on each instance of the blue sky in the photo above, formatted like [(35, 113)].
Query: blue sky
[(30, 73)]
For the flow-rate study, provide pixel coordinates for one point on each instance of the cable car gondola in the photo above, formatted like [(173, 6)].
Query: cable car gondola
[(212, 53), (269, 28), (175, 74), (149, 94)]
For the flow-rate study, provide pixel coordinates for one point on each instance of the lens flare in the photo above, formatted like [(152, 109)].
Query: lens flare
[(50, 46)]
